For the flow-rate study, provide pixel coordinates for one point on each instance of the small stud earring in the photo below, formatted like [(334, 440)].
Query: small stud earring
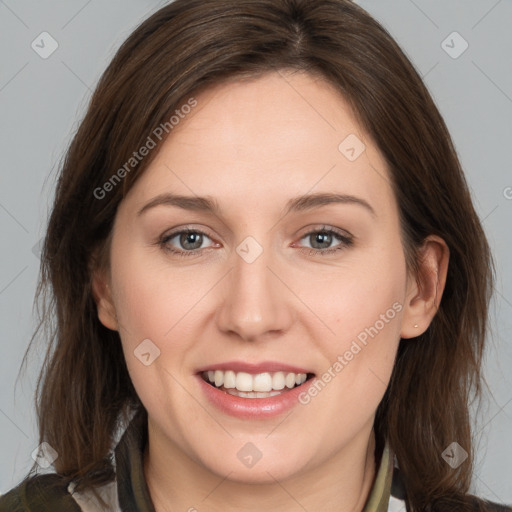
[(415, 326)]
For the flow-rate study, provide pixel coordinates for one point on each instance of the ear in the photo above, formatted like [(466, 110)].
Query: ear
[(424, 291), (102, 294)]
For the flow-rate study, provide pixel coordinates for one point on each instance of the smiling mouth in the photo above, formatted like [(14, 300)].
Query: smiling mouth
[(261, 385)]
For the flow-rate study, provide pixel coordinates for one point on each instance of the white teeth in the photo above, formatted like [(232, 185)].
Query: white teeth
[(290, 380), (253, 394), (278, 380), (263, 384), (243, 381), (229, 379)]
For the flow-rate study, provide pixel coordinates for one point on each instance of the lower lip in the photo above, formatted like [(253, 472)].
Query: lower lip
[(253, 408)]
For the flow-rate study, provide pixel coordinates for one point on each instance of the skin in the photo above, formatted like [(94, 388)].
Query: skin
[(253, 146)]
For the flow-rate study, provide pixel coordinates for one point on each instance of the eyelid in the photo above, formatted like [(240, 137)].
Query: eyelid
[(319, 228), (186, 229)]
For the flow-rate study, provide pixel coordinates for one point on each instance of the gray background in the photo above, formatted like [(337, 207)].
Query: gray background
[(42, 100)]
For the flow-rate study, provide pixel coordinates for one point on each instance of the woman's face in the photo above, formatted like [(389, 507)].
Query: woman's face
[(281, 276)]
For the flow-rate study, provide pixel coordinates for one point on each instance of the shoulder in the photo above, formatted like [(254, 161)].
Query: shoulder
[(42, 493)]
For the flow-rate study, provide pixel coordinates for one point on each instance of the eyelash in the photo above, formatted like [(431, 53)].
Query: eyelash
[(347, 241)]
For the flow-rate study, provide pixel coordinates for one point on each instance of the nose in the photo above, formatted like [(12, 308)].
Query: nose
[(255, 302)]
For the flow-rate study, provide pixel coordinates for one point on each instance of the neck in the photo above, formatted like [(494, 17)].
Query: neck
[(341, 484)]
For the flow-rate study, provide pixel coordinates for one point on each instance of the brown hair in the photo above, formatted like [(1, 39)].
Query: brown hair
[(84, 387)]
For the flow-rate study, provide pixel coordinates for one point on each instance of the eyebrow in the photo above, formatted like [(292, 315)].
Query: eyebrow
[(298, 204)]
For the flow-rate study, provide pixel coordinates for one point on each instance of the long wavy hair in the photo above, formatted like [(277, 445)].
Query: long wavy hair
[(84, 387)]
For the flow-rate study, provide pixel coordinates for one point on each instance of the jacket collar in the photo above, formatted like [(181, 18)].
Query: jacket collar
[(134, 495)]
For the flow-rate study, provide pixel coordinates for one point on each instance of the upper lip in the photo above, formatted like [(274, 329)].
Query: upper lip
[(254, 368)]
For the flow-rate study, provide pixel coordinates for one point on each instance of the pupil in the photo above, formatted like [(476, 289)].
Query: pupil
[(323, 238), (188, 238)]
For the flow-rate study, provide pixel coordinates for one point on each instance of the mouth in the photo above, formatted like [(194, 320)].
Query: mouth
[(259, 385)]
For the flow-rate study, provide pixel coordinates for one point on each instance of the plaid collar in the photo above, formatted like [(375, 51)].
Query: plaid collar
[(134, 495)]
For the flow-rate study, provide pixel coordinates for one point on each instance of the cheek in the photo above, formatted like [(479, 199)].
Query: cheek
[(158, 302), (149, 299), (360, 306), (357, 295), (151, 304)]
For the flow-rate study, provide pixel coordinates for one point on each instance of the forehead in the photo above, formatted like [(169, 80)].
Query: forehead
[(265, 140)]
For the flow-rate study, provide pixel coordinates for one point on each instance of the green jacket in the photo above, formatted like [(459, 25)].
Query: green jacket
[(129, 493)]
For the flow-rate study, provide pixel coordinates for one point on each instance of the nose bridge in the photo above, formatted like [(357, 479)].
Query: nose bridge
[(254, 301)]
